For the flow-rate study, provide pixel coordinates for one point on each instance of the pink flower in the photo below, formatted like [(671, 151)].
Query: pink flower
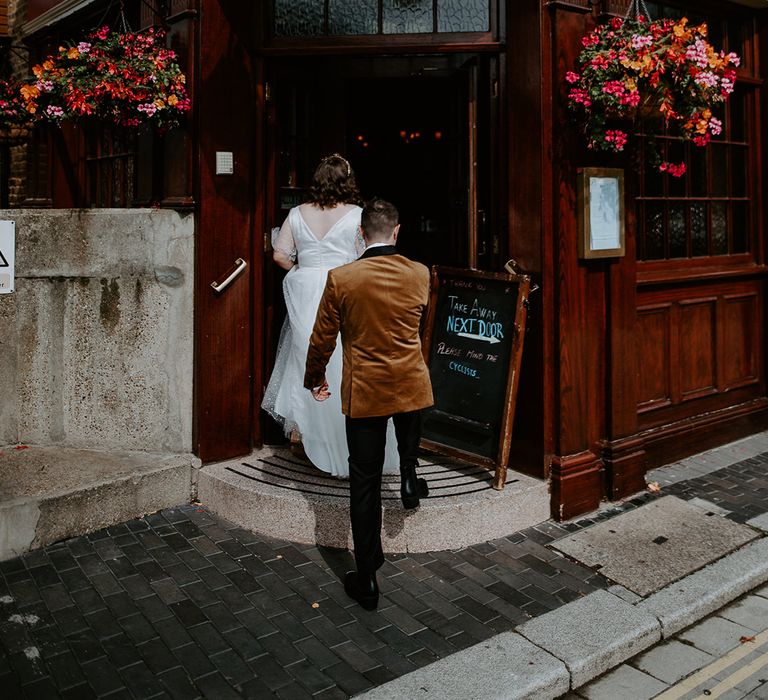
[(639, 41), (726, 86), (590, 40), (572, 77), (83, 47), (697, 53), (631, 98), (706, 78), (580, 97), (149, 108), (715, 126), (614, 87), (618, 139), (675, 170)]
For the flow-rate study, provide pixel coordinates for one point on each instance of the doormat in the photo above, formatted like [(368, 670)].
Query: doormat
[(659, 543)]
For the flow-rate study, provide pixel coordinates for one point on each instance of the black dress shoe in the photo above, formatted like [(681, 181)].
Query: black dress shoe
[(362, 588), (411, 488)]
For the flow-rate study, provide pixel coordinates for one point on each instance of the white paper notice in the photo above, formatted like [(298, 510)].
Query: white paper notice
[(225, 163), (7, 256), (604, 224)]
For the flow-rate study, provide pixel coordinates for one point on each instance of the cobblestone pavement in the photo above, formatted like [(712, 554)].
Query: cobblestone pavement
[(182, 604)]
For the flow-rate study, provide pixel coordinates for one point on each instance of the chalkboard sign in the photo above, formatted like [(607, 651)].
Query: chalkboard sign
[(473, 343)]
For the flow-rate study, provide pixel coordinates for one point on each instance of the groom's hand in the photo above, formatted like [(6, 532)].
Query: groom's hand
[(321, 393)]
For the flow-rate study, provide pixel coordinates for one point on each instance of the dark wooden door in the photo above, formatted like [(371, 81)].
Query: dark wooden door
[(225, 230)]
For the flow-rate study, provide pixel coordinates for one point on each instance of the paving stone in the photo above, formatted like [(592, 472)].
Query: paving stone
[(715, 635), (215, 685), (102, 676), (759, 522), (593, 634), (188, 613), (177, 684), (293, 691), (623, 682), (121, 651), (281, 649), (309, 677), (751, 612), (270, 672), (194, 661), (671, 661), (705, 591)]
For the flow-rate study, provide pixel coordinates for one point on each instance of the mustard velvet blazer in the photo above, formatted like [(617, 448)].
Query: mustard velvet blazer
[(376, 303)]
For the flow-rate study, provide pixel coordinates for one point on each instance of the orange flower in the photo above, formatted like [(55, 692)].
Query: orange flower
[(29, 92)]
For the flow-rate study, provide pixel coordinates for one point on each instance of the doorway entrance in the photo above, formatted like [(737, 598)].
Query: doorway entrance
[(409, 127)]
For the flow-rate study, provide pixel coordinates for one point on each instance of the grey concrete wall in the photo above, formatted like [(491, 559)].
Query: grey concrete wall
[(96, 341)]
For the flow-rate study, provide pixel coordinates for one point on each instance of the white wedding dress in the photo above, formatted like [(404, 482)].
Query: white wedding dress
[(320, 423)]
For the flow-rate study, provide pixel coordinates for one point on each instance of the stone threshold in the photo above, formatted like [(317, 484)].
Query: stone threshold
[(273, 493)]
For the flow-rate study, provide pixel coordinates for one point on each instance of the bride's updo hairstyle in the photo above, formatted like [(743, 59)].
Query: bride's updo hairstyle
[(333, 183)]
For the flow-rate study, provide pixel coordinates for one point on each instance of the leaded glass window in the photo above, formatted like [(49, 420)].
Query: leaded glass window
[(314, 18), (707, 212)]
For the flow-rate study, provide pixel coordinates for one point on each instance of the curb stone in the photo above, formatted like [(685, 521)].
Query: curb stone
[(566, 648)]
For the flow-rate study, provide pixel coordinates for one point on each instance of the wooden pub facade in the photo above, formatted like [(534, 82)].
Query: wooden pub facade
[(455, 110)]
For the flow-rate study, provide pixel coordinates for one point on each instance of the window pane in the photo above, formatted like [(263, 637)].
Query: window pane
[(737, 115), (353, 17), (736, 39), (715, 33), (698, 172), (654, 12), (299, 17), (407, 16), (698, 229), (719, 170), (654, 182), (719, 229), (677, 237), (740, 228), (462, 16), (654, 232), (676, 154), (739, 174)]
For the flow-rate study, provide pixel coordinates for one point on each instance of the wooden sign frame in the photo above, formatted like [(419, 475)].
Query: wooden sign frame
[(499, 462), (600, 208)]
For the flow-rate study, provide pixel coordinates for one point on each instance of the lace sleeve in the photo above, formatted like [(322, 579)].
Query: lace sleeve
[(359, 243), (284, 242)]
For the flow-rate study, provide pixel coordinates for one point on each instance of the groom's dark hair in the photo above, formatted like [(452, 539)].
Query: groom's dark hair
[(378, 219)]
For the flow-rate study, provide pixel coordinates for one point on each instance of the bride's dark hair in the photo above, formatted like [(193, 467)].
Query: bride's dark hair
[(334, 183)]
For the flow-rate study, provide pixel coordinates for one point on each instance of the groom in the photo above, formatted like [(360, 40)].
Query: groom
[(377, 303)]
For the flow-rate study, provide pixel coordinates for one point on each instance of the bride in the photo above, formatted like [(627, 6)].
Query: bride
[(316, 236)]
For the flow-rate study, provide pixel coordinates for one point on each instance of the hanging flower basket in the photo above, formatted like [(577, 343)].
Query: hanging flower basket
[(14, 119), (649, 73), (128, 79)]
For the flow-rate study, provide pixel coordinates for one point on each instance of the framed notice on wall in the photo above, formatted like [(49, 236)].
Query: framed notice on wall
[(600, 209)]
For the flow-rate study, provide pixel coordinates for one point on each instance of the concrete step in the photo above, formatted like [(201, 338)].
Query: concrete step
[(274, 493), (51, 493)]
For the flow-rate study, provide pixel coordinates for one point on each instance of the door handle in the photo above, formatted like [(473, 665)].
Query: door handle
[(240, 265)]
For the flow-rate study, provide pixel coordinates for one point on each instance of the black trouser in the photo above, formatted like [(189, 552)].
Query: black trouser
[(366, 438)]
